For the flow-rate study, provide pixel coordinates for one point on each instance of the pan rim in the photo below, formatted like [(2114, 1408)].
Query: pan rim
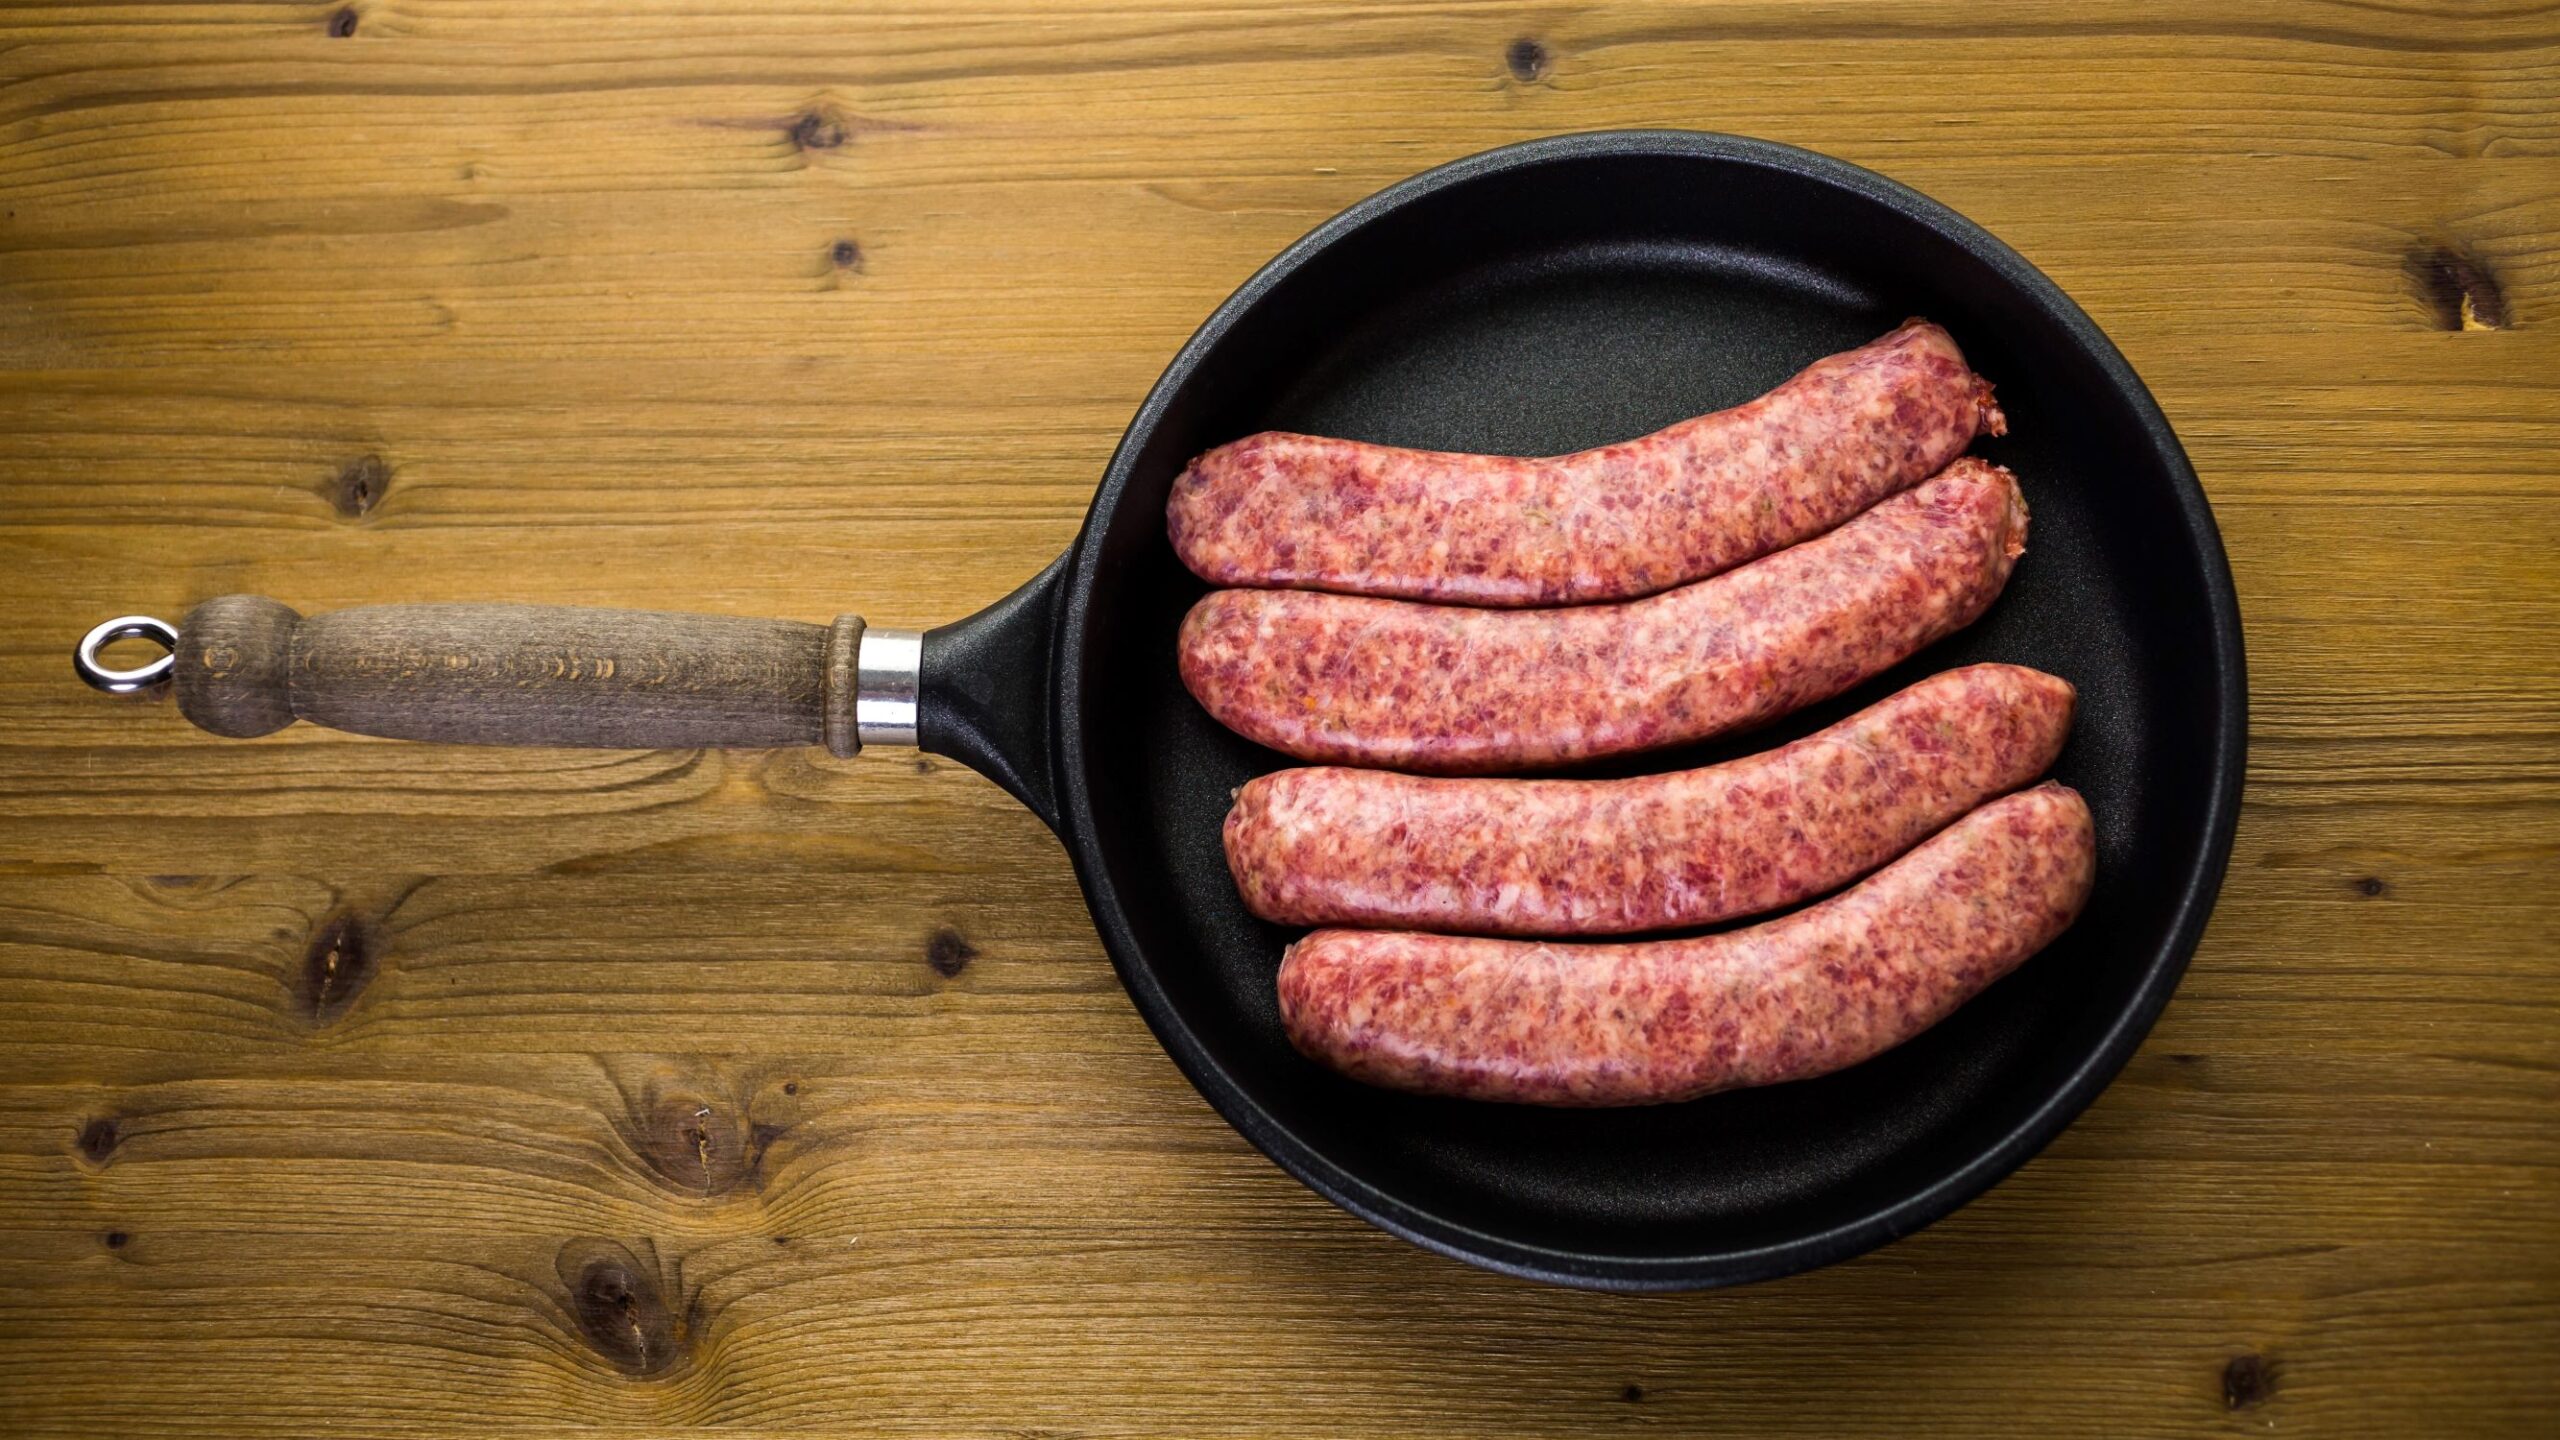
[(1952, 1188)]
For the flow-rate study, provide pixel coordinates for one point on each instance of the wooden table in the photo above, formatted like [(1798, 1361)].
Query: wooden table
[(357, 1086)]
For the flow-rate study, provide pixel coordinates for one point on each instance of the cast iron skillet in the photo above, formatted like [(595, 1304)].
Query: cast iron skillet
[(1530, 300)]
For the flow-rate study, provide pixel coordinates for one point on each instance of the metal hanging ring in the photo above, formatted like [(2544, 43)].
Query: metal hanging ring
[(85, 659)]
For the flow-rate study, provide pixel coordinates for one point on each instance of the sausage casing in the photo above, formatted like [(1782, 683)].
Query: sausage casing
[(1326, 845), (1304, 512), (1447, 689), (1545, 1023)]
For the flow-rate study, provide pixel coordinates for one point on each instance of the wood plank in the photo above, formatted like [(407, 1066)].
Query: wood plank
[(886, 1301), (970, 275)]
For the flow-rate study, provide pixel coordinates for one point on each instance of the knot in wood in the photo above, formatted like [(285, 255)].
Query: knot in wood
[(2458, 288), (695, 1145), (2248, 1381), (948, 952), (817, 129), (1528, 60), (358, 486), (623, 1310), (336, 966)]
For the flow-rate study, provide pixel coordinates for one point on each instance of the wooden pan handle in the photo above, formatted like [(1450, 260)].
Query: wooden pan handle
[(541, 675)]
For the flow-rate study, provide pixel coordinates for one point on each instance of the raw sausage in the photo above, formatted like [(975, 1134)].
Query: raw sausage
[(1623, 520), (1330, 846), (1633, 1024), (1613, 523), (1448, 689)]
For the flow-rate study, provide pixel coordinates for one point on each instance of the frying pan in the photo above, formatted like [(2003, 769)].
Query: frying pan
[(1530, 300)]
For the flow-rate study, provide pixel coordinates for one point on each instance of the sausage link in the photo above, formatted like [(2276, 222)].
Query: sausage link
[(1623, 520), (1447, 689), (1542, 1023), (1331, 846)]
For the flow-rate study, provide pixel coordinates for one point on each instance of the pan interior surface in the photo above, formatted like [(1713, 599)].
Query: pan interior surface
[(1584, 291)]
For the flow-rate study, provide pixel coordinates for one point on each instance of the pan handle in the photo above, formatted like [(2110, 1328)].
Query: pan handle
[(977, 691), (986, 691), (244, 665)]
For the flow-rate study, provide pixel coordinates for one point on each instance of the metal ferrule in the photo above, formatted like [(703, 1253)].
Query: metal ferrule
[(886, 666)]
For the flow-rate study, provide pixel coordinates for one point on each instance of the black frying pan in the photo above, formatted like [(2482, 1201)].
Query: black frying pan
[(1531, 300)]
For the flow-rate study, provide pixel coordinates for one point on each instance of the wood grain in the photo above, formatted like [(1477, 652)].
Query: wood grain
[(363, 1087)]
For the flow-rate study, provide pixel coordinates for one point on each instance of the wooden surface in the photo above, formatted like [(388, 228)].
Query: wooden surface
[(358, 1086)]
